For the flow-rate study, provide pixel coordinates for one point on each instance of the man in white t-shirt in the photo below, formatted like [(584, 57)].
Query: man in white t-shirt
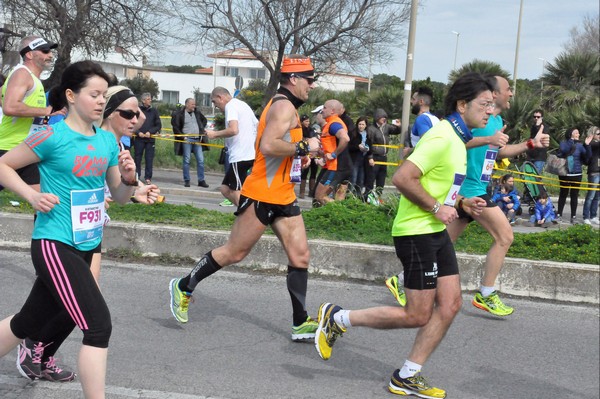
[(240, 135)]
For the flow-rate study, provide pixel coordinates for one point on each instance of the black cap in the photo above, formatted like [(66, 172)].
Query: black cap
[(304, 117)]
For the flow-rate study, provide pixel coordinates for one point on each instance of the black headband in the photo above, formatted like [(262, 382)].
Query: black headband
[(115, 100)]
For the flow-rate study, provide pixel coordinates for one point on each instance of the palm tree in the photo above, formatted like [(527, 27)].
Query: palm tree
[(572, 79), (483, 67), (571, 94)]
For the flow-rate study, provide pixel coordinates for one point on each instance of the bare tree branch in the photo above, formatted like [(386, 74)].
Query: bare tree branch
[(95, 27), (341, 35)]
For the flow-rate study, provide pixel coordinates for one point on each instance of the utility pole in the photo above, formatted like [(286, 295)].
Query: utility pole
[(408, 75)]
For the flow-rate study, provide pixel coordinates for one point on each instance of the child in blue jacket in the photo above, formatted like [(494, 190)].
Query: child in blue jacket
[(544, 211)]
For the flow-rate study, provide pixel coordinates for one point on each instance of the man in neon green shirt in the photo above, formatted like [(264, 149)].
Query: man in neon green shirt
[(429, 181), (24, 101)]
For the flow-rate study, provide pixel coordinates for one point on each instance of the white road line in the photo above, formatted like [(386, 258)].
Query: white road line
[(113, 390)]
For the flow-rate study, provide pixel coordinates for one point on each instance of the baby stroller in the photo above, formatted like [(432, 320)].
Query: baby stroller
[(532, 183)]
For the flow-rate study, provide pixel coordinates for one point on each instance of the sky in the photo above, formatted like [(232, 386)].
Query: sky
[(488, 31)]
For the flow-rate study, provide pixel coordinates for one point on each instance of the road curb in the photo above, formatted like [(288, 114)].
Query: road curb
[(560, 281)]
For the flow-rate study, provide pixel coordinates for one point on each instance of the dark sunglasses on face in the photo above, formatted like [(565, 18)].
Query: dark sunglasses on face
[(537, 116), (309, 79), (127, 114)]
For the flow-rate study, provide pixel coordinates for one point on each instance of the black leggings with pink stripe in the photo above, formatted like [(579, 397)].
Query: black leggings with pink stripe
[(64, 283)]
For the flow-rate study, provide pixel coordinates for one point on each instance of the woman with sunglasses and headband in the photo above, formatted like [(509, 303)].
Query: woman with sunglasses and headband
[(75, 158), (122, 117)]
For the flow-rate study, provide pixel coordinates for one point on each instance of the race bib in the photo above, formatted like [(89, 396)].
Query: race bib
[(488, 165), (87, 214), (453, 193), (296, 171)]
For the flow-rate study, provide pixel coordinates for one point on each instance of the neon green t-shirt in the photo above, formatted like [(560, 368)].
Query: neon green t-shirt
[(13, 130), (441, 157)]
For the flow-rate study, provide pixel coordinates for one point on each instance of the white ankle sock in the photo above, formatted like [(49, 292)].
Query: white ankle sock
[(486, 291), (342, 318), (409, 369)]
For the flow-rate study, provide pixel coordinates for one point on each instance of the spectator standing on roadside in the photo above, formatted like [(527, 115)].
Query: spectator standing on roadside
[(592, 147), (307, 133), (421, 106), (576, 155), (188, 125), (359, 147), (240, 135), (145, 142), (537, 156), (379, 134)]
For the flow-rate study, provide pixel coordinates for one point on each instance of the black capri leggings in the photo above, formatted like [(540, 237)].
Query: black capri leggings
[(64, 282), (569, 184)]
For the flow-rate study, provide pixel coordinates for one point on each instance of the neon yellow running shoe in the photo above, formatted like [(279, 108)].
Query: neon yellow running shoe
[(397, 292), (415, 385), (492, 304), (305, 331), (180, 301), (328, 330)]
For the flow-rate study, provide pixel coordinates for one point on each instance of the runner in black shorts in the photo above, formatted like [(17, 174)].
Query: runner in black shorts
[(236, 174), (425, 258), (30, 173), (267, 213), (488, 204)]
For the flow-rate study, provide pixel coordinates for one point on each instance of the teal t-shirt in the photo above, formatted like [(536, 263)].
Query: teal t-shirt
[(480, 161), (73, 167), (441, 157)]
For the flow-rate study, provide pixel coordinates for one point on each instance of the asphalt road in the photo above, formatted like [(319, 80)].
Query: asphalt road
[(237, 343)]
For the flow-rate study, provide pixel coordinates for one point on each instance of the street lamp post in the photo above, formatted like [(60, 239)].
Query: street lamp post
[(456, 48), (517, 50), (542, 77)]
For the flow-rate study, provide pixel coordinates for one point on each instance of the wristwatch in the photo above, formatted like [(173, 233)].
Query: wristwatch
[(436, 208)]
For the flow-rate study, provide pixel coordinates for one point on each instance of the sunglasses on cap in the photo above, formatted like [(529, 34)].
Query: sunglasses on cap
[(128, 114), (309, 79)]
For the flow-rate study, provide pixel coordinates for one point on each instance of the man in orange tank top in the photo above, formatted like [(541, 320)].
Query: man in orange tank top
[(334, 140), (268, 198)]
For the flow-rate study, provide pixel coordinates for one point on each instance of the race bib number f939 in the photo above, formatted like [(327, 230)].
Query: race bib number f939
[(87, 214)]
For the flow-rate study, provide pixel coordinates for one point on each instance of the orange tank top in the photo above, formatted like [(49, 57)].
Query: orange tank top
[(329, 141), (269, 180)]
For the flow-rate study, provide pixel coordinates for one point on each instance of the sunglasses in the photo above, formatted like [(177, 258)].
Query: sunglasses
[(537, 116), (127, 114), (309, 79)]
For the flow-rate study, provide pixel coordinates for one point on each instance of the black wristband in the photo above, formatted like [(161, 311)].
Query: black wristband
[(302, 148), (133, 183)]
